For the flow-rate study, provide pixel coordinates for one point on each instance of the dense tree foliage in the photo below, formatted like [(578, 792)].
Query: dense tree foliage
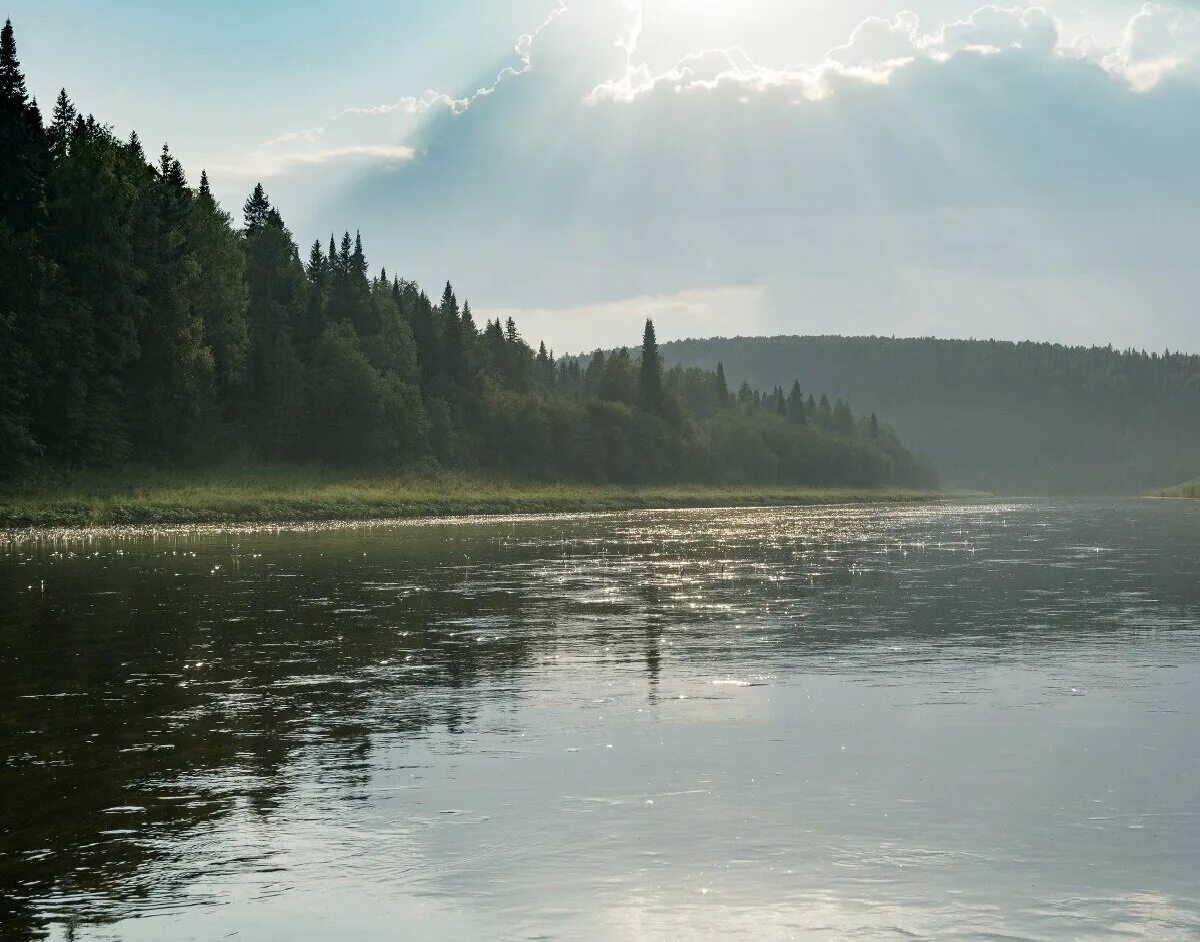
[(1019, 417), (138, 324)]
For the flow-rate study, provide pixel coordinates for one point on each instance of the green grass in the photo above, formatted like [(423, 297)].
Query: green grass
[(301, 494), (1190, 490)]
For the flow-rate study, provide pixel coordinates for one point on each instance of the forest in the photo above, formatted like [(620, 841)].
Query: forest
[(1006, 417), (139, 325)]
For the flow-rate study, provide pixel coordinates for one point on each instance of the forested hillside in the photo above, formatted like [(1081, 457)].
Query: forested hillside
[(138, 324), (1015, 417)]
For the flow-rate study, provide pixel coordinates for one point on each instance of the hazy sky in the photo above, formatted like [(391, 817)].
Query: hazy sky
[(726, 166)]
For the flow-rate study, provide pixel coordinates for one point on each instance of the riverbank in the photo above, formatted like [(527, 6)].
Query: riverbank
[(1190, 491), (296, 495)]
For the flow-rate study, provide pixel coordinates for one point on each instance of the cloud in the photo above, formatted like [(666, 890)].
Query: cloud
[(594, 44), (877, 48), (584, 328), (993, 29), (1157, 42), (879, 41), (988, 176), (371, 132), (271, 160)]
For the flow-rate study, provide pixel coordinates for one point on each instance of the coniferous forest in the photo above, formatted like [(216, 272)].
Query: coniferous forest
[(141, 324), (1007, 417)]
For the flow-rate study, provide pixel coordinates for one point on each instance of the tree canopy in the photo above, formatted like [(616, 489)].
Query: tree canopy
[(1018, 417), (140, 323)]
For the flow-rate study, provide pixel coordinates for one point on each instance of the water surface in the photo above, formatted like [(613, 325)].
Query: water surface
[(947, 721)]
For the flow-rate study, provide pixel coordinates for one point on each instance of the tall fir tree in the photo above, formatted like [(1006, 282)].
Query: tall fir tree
[(650, 386), (257, 210)]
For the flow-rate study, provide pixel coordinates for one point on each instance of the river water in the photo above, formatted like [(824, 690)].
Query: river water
[(961, 721)]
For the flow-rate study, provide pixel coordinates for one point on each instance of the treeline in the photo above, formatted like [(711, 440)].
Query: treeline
[(1017, 417), (138, 325)]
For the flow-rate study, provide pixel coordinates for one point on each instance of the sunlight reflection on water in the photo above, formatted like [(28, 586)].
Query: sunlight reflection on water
[(946, 720)]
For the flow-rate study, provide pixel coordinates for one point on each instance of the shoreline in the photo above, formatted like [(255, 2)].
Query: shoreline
[(1189, 491), (250, 502)]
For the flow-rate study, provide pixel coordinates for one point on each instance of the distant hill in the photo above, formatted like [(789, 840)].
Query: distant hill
[(1009, 417)]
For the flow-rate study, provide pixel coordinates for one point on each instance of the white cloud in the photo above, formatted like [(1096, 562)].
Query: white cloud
[(879, 41), (270, 162), (1159, 40), (993, 29), (613, 323), (989, 176), (876, 49), (372, 132)]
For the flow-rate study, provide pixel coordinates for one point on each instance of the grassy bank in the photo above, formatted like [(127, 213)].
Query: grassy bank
[(281, 495), (1190, 490)]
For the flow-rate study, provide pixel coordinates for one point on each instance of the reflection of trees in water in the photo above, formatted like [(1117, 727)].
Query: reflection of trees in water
[(281, 671), (192, 698)]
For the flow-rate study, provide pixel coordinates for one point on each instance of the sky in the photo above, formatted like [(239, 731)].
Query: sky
[(726, 167)]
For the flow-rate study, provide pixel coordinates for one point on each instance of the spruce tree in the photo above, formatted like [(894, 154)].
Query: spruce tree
[(24, 151), (722, 387), (454, 348), (257, 210), (62, 125), (796, 411), (650, 388)]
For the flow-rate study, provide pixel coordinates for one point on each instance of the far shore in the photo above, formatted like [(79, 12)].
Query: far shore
[(1189, 491), (298, 496)]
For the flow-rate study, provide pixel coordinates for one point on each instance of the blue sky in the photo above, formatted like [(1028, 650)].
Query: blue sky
[(726, 166)]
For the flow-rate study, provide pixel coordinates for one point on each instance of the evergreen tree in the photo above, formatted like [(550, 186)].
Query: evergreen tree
[(469, 330), (62, 125), (455, 365), (722, 387), (824, 417), (24, 151), (218, 297), (795, 405), (274, 406), (843, 418), (650, 388), (428, 342), (257, 210)]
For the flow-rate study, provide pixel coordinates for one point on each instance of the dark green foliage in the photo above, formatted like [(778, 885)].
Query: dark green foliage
[(138, 325), (1015, 417), (360, 414), (24, 148), (650, 385)]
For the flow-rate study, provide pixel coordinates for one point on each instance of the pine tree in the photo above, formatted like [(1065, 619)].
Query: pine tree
[(454, 349), (722, 387), (274, 405), (650, 387), (796, 411), (219, 299), (824, 413), (24, 151), (470, 331), (12, 81), (62, 125), (257, 210)]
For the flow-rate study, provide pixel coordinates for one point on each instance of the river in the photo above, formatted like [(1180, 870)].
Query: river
[(957, 721)]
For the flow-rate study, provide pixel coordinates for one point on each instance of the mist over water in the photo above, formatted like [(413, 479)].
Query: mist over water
[(958, 721)]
